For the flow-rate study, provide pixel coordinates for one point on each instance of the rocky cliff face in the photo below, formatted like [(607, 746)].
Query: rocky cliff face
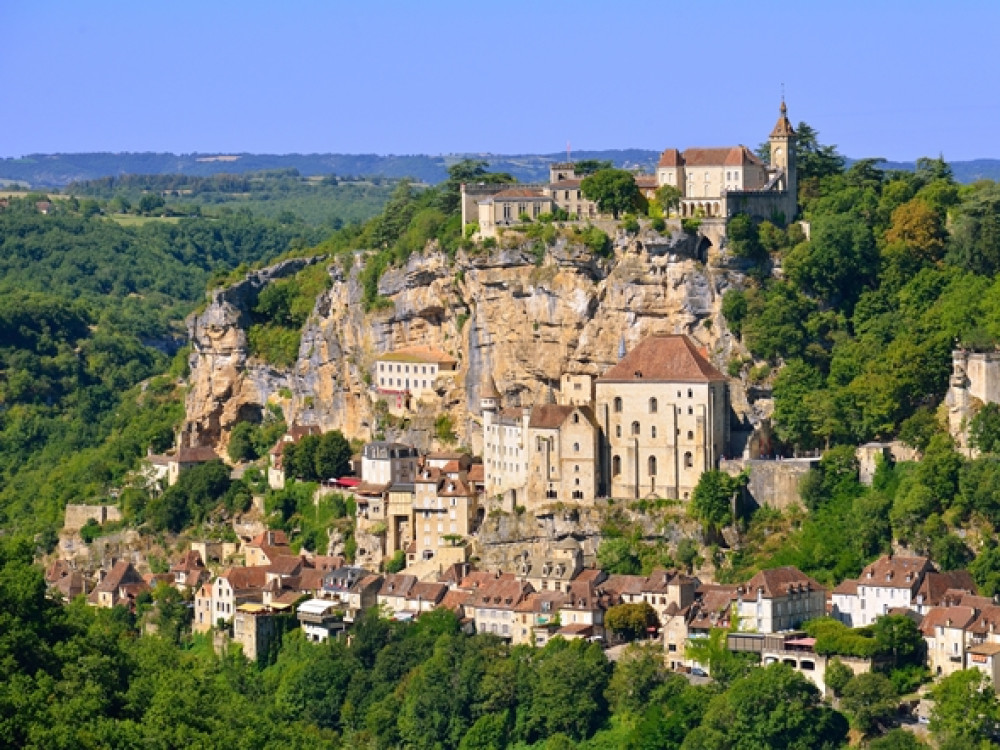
[(524, 320)]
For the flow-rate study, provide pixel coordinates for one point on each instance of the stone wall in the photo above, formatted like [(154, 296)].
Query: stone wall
[(78, 515), (772, 483)]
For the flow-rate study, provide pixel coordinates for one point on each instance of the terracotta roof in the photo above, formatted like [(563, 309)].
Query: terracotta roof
[(300, 431), (502, 593), (196, 455), (242, 577), (670, 158), (895, 572), (536, 602), (624, 584), (947, 617), (987, 621), (428, 591), (286, 565), (444, 456), (783, 127), (270, 538), (776, 582), (477, 473), (526, 193), (454, 488), (456, 600), (425, 354), (190, 561), (479, 578), (121, 574), (397, 584), (451, 467), (935, 586), (646, 180), (428, 475), (985, 649), (578, 629), (705, 157), (549, 416), (847, 587), (368, 488), (57, 570), (741, 156), (671, 358), (591, 575)]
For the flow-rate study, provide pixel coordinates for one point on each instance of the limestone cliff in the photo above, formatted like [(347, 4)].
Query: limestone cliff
[(526, 320)]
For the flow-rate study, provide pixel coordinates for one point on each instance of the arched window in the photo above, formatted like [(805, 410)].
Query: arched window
[(618, 404), (635, 428), (652, 406), (616, 466), (652, 466), (688, 460)]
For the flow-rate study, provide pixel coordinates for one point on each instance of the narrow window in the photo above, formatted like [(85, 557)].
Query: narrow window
[(618, 404), (652, 466), (635, 428), (652, 406), (688, 460), (616, 466)]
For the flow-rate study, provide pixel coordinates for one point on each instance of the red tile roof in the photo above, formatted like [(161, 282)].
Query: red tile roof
[(947, 617), (777, 582), (895, 572), (671, 358), (549, 416), (425, 354), (528, 193)]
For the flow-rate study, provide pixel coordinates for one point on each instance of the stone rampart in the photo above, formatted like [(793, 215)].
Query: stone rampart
[(772, 483), (78, 515)]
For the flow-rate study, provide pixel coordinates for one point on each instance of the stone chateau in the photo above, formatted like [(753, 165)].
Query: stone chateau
[(715, 183)]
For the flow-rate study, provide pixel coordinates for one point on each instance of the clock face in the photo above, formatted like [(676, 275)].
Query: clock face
[(777, 152)]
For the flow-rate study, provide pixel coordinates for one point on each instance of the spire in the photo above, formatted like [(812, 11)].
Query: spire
[(783, 128), (489, 388)]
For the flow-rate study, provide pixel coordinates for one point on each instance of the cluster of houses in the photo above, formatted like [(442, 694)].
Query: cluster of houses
[(554, 594)]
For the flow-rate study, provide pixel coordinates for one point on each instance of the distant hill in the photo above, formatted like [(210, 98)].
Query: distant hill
[(58, 170)]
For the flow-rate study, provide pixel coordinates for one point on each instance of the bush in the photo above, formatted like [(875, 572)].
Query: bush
[(659, 224)]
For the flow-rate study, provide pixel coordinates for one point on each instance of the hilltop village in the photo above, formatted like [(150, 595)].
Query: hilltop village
[(469, 482)]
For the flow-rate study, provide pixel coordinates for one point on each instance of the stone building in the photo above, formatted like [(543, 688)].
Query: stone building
[(562, 464), (406, 376), (505, 461), (663, 415), (723, 182), (387, 464)]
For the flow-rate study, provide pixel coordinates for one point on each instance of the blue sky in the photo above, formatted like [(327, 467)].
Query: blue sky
[(891, 79)]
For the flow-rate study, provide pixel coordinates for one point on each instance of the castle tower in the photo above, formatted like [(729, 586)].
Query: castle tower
[(489, 396), (782, 141)]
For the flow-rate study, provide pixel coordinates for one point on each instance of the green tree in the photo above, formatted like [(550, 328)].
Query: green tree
[(870, 700), (614, 191), (898, 739), (241, 442), (638, 673), (668, 197), (569, 693), (984, 429), (838, 675), (744, 239), (631, 620), (333, 455), (713, 497), (774, 707), (965, 709)]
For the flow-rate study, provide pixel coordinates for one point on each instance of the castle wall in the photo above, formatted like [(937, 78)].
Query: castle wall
[(772, 483), (78, 515)]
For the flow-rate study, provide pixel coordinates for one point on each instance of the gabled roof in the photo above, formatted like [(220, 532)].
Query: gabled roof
[(947, 617), (197, 455), (847, 587), (121, 574), (777, 582), (397, 584), (477, 473), (668, 358), (671, 157), (935, 586), (502, 593), (549, 416), (428, 591), (895, 572), (240, 577)]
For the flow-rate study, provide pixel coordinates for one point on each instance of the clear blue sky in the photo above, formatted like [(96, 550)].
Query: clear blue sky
[(891, 79)]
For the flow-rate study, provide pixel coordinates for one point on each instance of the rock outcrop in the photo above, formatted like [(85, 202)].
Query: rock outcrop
[(526, 319)]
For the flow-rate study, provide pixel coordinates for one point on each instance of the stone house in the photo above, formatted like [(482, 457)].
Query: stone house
[(663, 415), (495, 603), (266, 547), (386, 464), (64, 577), (890, 582), (121, 585), (779, 599), (555, 570), (189, 572), (945, 632), (562, 464), (407, 376), (354, 588), (257, 627), (186, 458), (236, 586)]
